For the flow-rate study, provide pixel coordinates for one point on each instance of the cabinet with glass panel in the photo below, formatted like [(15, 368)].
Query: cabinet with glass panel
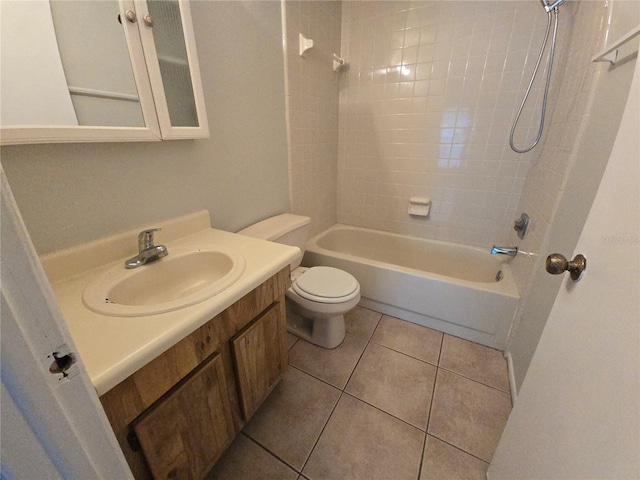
[(99, 71)]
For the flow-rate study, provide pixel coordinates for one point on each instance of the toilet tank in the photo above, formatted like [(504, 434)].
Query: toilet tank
[(288, 229)]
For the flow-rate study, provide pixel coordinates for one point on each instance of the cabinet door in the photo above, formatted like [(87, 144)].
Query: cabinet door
[(261, 357), (186, 431), (166, 30), (73, 71)]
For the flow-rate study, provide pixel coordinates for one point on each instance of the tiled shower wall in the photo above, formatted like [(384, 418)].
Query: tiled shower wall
[(562, 184), (312, 96), (546, 179), (426, 108)]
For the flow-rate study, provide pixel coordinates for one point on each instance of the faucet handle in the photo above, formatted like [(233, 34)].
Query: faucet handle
[(145, 239)]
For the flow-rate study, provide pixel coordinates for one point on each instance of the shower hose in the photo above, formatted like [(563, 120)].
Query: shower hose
[(546, 88)]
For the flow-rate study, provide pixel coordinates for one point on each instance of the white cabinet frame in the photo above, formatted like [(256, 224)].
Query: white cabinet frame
[(167, 130), (146, 70)]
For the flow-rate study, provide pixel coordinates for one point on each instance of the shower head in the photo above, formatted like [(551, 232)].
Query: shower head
[(551, 4)]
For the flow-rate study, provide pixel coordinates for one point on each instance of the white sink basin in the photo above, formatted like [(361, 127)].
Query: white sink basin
[(182, 278)]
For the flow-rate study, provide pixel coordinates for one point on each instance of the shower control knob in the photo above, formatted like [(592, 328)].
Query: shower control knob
[(522, 224), (557, 264)]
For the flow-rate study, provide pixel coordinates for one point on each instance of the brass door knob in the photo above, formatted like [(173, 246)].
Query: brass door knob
[(557, 263)]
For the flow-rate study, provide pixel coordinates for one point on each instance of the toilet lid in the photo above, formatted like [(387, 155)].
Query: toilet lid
[(326, 284)]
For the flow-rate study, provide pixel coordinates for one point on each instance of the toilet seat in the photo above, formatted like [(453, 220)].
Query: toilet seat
[(326, 285)]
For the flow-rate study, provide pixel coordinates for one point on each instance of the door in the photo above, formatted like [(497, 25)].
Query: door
[(185, 432), (578, 412), (260, 358), (168, 39), (608, 95), (52, 424)]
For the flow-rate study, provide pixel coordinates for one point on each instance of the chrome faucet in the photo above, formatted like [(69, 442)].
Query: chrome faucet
[(511, 251), (147, 251)]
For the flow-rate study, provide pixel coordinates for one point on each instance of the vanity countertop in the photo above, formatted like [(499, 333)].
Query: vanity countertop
[(112, 348)]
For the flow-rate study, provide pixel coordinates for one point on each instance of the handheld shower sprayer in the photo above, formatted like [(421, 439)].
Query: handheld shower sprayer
[(549, 7)]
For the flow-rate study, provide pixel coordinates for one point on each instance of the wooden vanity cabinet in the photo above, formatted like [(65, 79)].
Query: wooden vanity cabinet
[(175, 416)]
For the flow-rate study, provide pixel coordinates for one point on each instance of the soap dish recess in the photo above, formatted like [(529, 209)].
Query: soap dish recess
[(419, 206)]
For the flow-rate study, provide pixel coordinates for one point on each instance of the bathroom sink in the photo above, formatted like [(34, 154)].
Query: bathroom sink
[(183, 278)]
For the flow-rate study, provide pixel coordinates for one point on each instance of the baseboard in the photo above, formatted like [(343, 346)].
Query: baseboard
[(512, 378)]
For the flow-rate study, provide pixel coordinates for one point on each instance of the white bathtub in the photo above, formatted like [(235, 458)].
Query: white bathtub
[(445, 286)]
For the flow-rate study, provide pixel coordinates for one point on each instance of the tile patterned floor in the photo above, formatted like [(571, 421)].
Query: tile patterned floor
[(394, 401)]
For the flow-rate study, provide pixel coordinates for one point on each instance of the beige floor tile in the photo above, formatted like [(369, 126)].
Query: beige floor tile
[(477, 362), (291, 340), (467, 414), (442, 461), (361, 322), (292, 418), (406, 337), (244, 460), (361, 442), (396, 383), (333, 366)]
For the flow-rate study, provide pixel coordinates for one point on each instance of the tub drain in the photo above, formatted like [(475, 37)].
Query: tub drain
[(499, 276)]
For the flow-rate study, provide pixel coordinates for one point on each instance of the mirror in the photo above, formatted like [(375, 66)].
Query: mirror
[(66, 63), (99, 71)]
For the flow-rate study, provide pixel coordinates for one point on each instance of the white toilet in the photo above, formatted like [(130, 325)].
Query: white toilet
[(319, 296)]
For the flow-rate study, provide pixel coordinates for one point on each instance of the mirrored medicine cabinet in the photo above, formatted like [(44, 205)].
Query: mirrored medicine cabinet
[(99, 71)]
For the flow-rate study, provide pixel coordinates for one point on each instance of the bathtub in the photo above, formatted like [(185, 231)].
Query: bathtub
[(460, 290)]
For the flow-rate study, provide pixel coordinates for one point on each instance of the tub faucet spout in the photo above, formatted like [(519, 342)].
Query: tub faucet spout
[(511, 251)]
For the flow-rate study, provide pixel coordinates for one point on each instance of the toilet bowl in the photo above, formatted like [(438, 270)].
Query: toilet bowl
[(317, 301), (319, 296)]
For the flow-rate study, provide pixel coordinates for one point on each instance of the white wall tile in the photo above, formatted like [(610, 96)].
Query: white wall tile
[(448, 108), (313, 93), (426, 108)]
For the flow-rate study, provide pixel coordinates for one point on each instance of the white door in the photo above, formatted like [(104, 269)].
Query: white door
[(578, 411), (53, 425)]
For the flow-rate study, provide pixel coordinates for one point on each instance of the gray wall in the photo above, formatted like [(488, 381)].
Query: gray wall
[(73, 193)]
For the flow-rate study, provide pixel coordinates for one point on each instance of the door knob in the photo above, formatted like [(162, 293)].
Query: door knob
[(557, 263)]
